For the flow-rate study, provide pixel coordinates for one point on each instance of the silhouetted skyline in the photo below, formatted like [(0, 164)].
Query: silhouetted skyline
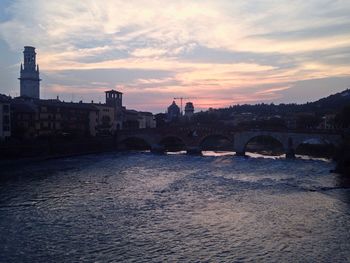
[(221, 52)]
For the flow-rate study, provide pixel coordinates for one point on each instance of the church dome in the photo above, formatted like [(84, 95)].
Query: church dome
[(173, 111), (173, 107)]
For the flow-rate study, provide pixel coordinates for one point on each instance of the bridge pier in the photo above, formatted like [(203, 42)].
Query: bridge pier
[(195, 150), (156, 148), (290, 154), (240, 153)]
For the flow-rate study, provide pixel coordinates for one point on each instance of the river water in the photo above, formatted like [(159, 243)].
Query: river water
[(140, 207)]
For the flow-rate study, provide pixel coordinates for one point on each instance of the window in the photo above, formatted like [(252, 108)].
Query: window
[(6, 120), (6, 108)]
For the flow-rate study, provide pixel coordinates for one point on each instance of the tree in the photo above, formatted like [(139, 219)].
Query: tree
[(343, 118)]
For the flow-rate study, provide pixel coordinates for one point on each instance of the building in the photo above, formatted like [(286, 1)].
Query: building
[(307, 120), (161, 119), (23, 118), (37, 118), (5, 117), (66, 118), (121, 118), (138, 120), (33, 118), (29, 74), (114, 99), (328, 122), (189, 110), (291, 121), (106, 121), (173, 112), (146, 120), (130, 119)]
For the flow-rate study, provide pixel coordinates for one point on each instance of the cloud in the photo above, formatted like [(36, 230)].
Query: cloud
[(165, 48), (150, 25)]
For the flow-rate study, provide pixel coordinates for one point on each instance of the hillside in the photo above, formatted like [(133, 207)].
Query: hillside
[(331, 104)]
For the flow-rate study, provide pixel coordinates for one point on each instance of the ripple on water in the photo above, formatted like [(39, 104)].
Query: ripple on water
[(151, 208)]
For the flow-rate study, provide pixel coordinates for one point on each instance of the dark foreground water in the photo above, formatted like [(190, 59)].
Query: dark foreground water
[(174, 208)]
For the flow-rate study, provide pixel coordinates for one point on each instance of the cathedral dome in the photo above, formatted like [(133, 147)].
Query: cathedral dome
[(173, 111), (173, 107)]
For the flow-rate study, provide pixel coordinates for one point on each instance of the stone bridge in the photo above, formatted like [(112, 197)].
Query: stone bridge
[(192, 138)]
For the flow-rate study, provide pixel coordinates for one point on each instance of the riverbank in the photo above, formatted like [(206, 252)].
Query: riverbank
[(8, 163), (343, 162), (54, 148), (343, 157)]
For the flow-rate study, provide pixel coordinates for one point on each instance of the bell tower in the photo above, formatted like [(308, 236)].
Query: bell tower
[(115, 99), (29, 75)]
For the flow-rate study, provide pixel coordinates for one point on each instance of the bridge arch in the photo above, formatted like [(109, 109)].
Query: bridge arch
[(172, 143), (239, 138), (315, 146), (265, 143), (216, 142), (243, 138)]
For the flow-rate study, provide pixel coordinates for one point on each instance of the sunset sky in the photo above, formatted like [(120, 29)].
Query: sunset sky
[(218, 52)]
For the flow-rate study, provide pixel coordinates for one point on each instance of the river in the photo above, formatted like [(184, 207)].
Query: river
[(140, 207)]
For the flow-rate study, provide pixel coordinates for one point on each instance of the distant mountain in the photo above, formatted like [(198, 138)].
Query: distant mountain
[(331, 104), (335, 102)]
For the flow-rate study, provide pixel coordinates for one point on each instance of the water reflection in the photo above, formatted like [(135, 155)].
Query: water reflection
[(174, 207)]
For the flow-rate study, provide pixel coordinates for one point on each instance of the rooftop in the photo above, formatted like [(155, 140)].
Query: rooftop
[(22, 106), (113, 91), (4, 98), (75, 105), (52, 103), (29, 47)]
